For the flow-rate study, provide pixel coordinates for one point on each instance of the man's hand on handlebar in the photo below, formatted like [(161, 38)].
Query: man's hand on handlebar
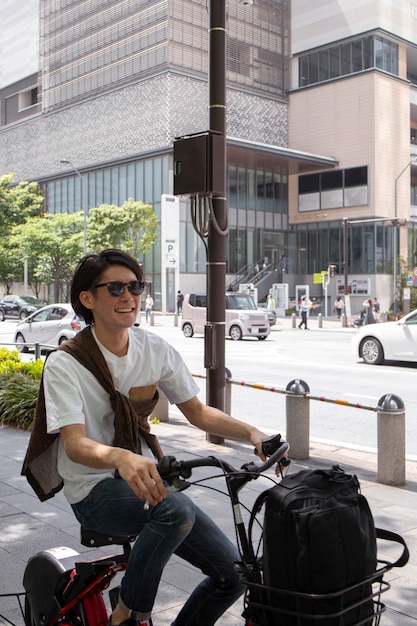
[(269, 446), (257, 438), (176, 472)]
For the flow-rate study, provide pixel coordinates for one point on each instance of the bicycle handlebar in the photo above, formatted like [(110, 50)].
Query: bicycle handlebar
[(174, 472)]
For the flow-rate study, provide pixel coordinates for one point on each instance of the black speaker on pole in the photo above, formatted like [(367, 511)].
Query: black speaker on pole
[(195, 159)]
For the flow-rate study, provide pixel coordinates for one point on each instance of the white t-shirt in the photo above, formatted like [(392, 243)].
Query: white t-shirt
[(74, 396)]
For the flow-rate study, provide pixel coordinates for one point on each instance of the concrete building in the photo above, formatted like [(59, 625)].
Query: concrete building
[(321, 124)]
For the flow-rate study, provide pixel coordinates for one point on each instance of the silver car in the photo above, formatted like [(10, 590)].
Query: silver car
[(49, 327)]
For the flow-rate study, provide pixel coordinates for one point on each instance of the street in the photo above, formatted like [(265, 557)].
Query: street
[(321, 358)]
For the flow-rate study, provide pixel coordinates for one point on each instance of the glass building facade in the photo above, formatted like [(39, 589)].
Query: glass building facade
[(258, 222), (92, 47)]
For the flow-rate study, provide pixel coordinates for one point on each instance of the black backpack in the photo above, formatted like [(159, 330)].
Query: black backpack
[(319, 538)]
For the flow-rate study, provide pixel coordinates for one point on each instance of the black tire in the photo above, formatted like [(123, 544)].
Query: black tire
[(20, 343), (2, 316), (188, 330), (23, 315), (371, 351), (262, 337), (235, 333), (62, 339)]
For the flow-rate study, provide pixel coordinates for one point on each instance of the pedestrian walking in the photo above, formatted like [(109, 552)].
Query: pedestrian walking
[(180, 300), (148, 307), (271, 302), (338, 307), (376, 309), (369, 313), (305, 306)]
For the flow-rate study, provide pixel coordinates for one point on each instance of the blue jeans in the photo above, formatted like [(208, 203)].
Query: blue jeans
[(176, 525)]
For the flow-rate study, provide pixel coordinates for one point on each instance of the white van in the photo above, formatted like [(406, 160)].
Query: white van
[(243, 319)]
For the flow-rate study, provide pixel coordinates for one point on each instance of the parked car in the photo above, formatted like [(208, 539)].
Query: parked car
[(19, 307), (271, 314), (387, 341), (50, 326), (243, 319)]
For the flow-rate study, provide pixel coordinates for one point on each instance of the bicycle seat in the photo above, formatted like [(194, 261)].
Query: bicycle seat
[(92, 538)]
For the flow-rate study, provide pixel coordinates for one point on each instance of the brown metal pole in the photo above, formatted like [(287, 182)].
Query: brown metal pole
[(216, 244)]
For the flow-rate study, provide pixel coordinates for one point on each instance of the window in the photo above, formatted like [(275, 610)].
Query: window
[(308, 183), (356, 176), (28, 98), (331, 180), (348, 58), (240, 302), (334, 189), (197, 299)]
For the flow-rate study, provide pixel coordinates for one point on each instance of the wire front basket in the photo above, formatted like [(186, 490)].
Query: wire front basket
[(357, 605), (12, 605)]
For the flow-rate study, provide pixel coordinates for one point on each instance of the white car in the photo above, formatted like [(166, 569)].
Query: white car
[(50, 326), (387, 341)]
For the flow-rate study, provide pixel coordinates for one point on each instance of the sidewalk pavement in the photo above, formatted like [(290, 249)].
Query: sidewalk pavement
[(28, 526)]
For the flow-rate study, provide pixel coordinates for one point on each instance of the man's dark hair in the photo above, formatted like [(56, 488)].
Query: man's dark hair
[(88, 272)]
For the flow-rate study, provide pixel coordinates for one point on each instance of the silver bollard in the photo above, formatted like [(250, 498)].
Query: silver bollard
[(152, 318), (175, 319), (391, 440), (320, 320), (38, 351), (294, 320), (298, 419)]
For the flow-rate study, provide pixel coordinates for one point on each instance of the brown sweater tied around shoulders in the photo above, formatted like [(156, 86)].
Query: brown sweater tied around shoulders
[(130, 421)]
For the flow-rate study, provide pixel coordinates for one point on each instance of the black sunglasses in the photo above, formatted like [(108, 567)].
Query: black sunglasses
[(117, 288)]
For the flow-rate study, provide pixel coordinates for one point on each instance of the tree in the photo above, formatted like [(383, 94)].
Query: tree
[(18, 201), (52, 244), (404, 271), (11, 266), (131, 227)]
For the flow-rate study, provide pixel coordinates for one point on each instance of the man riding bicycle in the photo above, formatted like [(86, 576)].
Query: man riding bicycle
[(97, 393)]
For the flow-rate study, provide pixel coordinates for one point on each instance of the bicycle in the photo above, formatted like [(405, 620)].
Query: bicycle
[(267, 606), (61, 589)]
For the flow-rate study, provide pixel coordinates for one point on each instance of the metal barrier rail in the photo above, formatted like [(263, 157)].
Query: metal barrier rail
[(390, 424), (354, 405), (37, 347)]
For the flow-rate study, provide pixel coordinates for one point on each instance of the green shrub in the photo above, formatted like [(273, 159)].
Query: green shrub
[(19, 386), (18, 400)]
